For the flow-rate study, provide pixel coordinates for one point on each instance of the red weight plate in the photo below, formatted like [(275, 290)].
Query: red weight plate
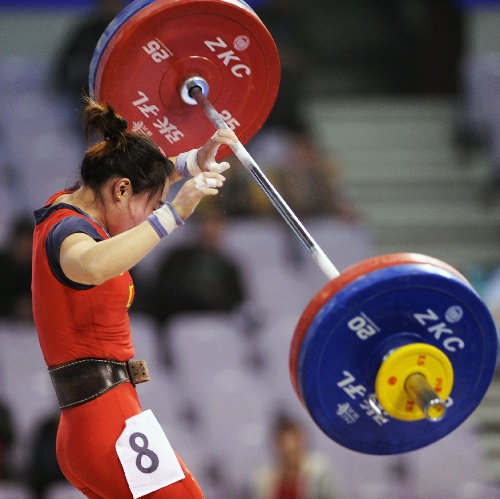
[(150, 54), (346, 277)]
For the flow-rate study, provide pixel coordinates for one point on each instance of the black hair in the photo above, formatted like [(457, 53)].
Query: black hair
[(283, 422), (120, 153), (22, 225)]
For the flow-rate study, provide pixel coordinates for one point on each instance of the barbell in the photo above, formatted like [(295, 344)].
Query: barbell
[(390, 355)]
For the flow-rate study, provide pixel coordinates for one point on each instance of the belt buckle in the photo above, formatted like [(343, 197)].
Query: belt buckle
[(138, 371)]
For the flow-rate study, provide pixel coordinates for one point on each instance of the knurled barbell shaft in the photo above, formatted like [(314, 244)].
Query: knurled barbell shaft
[(427, 399), (251, 166)]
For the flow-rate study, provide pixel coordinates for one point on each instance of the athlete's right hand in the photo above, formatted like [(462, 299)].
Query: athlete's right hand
[(194, 190)]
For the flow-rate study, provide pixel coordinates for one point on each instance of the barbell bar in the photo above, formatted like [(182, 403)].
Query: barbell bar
[(390, 355)]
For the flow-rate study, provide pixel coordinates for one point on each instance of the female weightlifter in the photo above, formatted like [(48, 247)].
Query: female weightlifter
[(86, 239)]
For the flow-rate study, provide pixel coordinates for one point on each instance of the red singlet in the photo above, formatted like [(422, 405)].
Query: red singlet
[(78, 321)]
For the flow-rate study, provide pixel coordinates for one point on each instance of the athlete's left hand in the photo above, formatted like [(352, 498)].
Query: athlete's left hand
[(207, 153)]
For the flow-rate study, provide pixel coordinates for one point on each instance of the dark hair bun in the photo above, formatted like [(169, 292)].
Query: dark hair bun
[(103, 119)]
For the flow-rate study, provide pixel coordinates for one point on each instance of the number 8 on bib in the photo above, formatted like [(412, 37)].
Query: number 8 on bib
[(147, 458)]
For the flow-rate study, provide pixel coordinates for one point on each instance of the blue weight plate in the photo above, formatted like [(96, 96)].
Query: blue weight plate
[(128, 12), (345, 343)]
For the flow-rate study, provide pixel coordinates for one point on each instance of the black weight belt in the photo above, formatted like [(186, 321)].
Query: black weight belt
[(83, 380)]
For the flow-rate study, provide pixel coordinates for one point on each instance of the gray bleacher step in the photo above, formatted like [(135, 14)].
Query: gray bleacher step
[(493, 394), (492, 471), (402, 170), (490, 448), (423, 234), (371, 135), (377, 108), (459, 256), (487, 418), (444, 187), (369, 124), (488, 414), (434, 213), (405, 163)]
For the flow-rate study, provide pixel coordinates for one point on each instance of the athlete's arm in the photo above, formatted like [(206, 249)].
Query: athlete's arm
[(87, 261)]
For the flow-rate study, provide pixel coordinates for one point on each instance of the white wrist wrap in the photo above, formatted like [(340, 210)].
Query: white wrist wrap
[(192, 162), (186, 164), (164, 220)]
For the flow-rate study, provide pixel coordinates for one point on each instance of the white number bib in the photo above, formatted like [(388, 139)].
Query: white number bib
[(146, 455)]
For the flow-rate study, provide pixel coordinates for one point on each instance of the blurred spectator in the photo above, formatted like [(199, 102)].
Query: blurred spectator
[(295, 472), (11, 188), (15, 271), (478, 127), (72, 63), (491, 296), (7, 436), (283, 20), (477, 93), (43, 467), (440, 46), (195, 277), (308, 179)]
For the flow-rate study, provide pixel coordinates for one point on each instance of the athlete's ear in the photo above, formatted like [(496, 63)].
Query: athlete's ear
[(121, 188)]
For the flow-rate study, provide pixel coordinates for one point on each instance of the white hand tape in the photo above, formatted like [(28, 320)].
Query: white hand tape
[(218, 167), (204, 183)]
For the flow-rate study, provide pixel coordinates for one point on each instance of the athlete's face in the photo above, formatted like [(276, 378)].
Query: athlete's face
[(133, 209)]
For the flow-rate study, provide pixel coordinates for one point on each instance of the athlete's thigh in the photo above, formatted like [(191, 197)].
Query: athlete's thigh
[(86, 441), (188, 488), (86, 446), (86, 491)]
